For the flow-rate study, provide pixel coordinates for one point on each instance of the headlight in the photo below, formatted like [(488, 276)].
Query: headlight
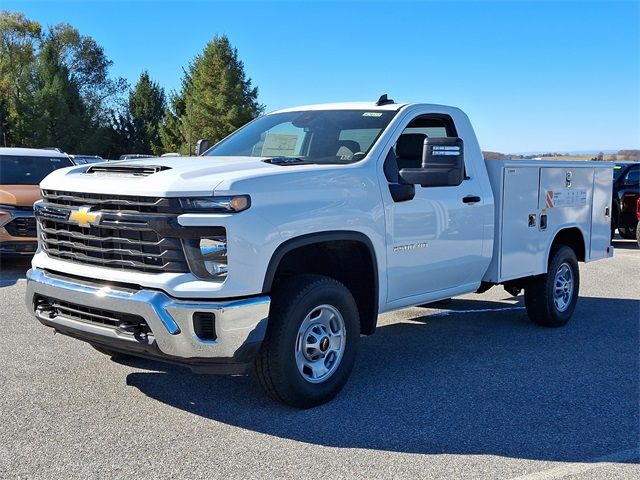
[(207, 256), (226, 204)]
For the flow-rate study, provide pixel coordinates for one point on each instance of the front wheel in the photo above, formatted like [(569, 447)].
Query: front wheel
[(551, 298), (311, 341)]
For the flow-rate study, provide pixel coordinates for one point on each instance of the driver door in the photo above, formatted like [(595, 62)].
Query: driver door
[(436, 238)]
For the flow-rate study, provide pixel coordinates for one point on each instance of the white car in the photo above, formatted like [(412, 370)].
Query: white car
[(280, 245)]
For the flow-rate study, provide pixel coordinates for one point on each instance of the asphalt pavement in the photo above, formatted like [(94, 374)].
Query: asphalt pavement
[(471, 390)]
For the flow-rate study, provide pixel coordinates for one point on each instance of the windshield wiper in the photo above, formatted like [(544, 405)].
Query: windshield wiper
[(288, 161)]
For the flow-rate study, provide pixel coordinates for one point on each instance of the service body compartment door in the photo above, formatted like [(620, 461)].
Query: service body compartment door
[(601, 215), (566, 194), (521, 241)]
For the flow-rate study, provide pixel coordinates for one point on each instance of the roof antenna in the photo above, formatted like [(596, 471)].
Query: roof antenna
[(384, 100)]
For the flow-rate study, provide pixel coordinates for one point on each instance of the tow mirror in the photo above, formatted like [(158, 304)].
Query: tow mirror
[(202, 146), (442, 164)]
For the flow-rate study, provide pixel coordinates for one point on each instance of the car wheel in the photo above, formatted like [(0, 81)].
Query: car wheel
[(627, 233), (638, 234), (311, 341), (551, 298)]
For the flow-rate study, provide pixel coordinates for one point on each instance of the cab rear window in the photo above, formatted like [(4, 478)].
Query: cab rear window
[(22, 170)]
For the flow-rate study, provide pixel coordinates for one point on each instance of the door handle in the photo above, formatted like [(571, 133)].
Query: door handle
[(471, 199)]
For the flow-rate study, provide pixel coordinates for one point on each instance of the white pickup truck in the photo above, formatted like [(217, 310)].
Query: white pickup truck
[(280, 245)]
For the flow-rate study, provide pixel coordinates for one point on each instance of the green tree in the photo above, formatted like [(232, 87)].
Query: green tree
[(57, 115), (170, 133), (146, 109), (88, 68), (218, 97), (19, 40)]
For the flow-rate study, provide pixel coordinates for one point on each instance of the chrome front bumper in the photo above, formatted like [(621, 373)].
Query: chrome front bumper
[(240, 325)]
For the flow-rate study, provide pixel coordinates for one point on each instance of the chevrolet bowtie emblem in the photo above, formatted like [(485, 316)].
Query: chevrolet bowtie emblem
[(84, 217)]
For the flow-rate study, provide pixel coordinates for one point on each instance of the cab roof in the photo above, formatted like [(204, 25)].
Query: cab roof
[(370, 106), (31, 152), (345, 106)]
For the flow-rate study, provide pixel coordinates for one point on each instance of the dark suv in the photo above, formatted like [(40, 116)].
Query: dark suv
[(626, 189)]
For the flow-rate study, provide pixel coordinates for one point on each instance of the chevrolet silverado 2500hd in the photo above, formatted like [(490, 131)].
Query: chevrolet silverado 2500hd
[(281, 244)]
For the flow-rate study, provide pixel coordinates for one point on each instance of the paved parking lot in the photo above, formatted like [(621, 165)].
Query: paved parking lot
[(472, 391)]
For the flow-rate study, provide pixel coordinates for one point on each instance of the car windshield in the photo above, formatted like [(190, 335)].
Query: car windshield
[(23, 170), (316, 136)]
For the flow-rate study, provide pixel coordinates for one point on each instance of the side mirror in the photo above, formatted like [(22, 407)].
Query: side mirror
[(202, 146), (442, 164)]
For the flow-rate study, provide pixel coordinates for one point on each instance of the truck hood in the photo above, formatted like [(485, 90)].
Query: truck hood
[(19, 195), (161, 177)]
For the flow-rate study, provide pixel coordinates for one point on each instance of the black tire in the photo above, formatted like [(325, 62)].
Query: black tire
[(539, 292), (627, 233), (276, 366), (638, 234), (115, 355)]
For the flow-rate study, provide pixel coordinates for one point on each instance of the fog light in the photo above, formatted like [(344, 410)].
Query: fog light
[(213, 252)]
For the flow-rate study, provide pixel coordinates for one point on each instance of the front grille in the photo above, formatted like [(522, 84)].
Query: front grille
[(125, 322), (108, 202), (131, 234), (134, 249), (22, 227)]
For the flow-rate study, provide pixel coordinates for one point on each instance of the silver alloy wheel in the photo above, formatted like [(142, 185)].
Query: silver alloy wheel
[(563, 287), (320, 343)]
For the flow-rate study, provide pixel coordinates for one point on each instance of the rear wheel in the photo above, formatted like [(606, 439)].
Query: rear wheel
[(115, 355), (311, 341), (627, 233), (638, 234), (551, 298)]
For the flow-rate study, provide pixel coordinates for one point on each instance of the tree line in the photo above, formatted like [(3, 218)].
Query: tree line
[(56, 91)]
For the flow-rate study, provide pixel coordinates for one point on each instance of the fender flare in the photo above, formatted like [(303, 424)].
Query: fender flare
[(319, 237), (329, 236)]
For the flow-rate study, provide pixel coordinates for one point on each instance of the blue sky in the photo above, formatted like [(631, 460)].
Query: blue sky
[(561, 75)]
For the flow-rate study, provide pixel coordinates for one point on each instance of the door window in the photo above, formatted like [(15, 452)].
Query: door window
[(410, 143)]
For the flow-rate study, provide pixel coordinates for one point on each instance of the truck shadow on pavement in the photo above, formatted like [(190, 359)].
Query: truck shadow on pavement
[(463, 383)]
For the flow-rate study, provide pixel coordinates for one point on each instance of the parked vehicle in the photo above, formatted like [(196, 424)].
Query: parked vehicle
[(21, 170), (626, 187), (638, 217), (134, 156), (280, 246), (85, 159)]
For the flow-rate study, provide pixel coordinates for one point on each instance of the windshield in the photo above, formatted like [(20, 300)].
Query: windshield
[(319, 136), (21, 170)]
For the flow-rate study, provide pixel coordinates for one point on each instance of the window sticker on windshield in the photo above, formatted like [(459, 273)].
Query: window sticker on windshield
[(372, 114), (276, 144)]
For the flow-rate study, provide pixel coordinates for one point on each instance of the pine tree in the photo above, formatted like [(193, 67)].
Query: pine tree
[(146, 109), (57, 116), (170, 134), (216, 95)]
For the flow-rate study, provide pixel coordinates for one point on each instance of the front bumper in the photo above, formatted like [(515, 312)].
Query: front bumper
[(240, 325)]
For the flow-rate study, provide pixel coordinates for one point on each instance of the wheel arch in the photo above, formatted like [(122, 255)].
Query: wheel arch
[(302, 254), (572, 237)]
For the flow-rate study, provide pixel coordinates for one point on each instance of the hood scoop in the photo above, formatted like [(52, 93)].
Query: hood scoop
[(126, 170), (287, 161)]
